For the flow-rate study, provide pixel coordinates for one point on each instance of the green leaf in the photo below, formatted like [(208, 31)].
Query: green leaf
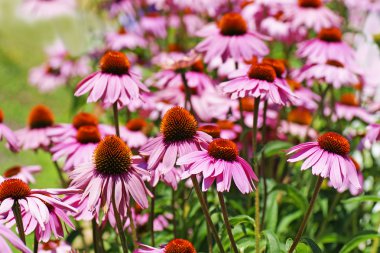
[(314, 247), (273, 243), (353, 244), (363, 198), (275, 147), (297, 198), (236, 220)]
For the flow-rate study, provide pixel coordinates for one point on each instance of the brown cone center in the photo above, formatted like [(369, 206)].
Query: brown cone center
[(178, 124), (300, 116), (40, 117), (179, 246), (223, 149), (114, 62), (112, 156), (232, 24), (262, 72), (330, 34), (13, 188), (334, 143), (212, 130), (84, 119)]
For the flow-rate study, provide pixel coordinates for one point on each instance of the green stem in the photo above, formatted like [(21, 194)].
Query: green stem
[(151, 216), (206, 213), (187, 92), (209, 238), (20, 227), (174, 214), (35, 245), (116, 119), (133, 228), (96, 238), (261, 168), (227, 222), (307, 215), (60, 174), (254, 165), (119, 224)]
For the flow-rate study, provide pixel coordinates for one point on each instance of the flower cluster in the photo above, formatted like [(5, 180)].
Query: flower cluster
[(181, 108)]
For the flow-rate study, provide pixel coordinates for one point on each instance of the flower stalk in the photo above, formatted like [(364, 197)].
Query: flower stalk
[(307, 215), (227, 222), (20, 226), (207, 213)]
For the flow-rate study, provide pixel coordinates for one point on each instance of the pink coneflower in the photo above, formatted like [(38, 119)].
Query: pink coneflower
[(332, 72), (306, 97), (328, 158), (46, 78), (232, 39), (154, 24), (348, 108), (311, 14), (62, 132), (259, 81), (134, 132), (78, 149), (195, 77), (228, 129), (52, 218), (174, 246), (6, 233), (34, 136), (298, 123), (115, 82), (42, 9), (347, 185), (8, 135), (220, 162), (25, 173), (328, 46), (124, 40), (178, 137), (372, 136), (279, 28), (55, 246), (112, 169), (34, 203)]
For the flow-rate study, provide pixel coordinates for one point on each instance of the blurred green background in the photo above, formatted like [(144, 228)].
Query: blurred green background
[(22, 46)]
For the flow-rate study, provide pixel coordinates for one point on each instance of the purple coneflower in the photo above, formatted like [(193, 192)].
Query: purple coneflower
[(113, 83), (372, 136), (77, 150), (332, 72), (113, 168), (231, 38), (259, 81), (328, 46), (25, 173), (134, 132), (179, 136), (174, 246), (328, 158), (311, 14), (35, 136), (220, 162), (348, 108)]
